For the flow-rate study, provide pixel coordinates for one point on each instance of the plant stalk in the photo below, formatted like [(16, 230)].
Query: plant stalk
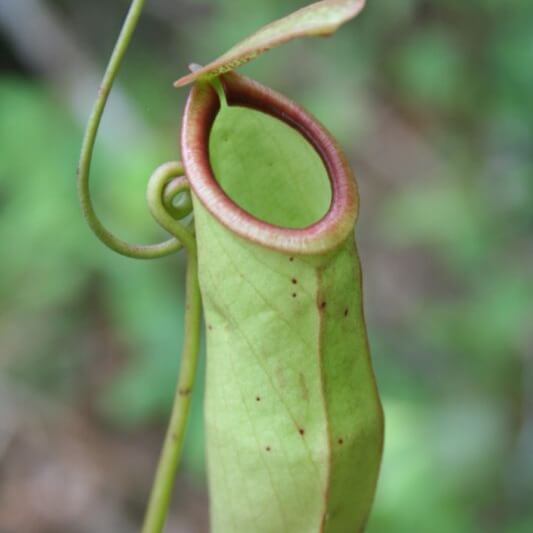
[(160, 496)]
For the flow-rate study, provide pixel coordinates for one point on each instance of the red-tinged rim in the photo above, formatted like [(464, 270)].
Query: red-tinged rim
[(200, 113)]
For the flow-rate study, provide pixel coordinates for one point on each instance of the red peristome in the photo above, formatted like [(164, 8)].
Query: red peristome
[(200, 113)]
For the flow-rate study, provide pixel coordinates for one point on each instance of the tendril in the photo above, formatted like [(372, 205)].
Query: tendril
[(169, 201), (181, 236), (165, 184)]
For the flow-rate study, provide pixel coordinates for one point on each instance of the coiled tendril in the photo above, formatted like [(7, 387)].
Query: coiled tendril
[(166, 184)]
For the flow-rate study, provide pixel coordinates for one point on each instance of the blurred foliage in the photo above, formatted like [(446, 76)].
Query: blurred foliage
[(433, 103)]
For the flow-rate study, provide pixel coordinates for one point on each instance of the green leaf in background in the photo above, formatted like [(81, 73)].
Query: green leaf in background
[(430, 69)]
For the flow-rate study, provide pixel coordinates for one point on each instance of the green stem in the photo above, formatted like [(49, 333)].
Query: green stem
[(138, 251), (170, 456)]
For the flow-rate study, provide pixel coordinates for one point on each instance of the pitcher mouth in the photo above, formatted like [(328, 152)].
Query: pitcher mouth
[(201, 111)]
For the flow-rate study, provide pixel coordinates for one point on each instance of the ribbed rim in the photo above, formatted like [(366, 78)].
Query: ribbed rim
[(200, 113)]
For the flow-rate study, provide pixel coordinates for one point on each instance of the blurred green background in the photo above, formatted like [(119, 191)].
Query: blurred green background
[(433, 104)]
